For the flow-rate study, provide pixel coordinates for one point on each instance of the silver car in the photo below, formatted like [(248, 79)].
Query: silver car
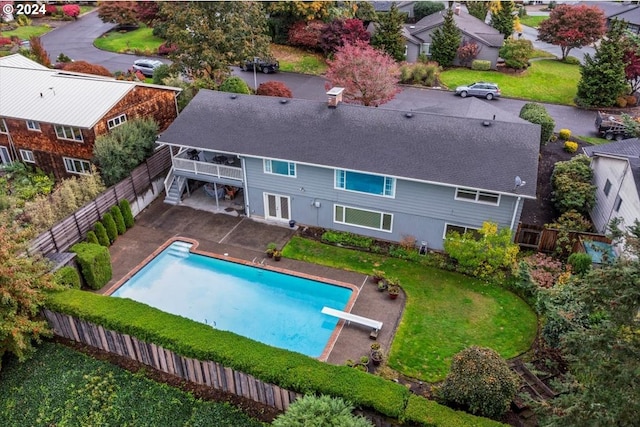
[(146, 66), (482, 89)]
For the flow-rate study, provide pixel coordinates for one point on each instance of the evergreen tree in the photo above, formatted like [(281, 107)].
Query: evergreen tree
[(502, 18), (388, 35), (478, 8), (603, 77), (445, 41)]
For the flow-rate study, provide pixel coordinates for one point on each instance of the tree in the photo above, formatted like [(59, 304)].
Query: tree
[(24, 279), (300, 10), (365, 11), (369, 76), (306, 34), (273, 88), (388, 33), (341, 31), (445, 41), (480, 381), (502, 17), (478, 8), (572, 27), (38, 51), (426, 8), (87, 68), (572, 188), (122, 13), (147, 12), (212, 35), (632, 69), (516, 53), (235, 84), (602, 77), (467, 52), (322, 410)]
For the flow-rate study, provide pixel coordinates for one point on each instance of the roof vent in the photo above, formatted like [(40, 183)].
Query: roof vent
[(412, 27), (486, 123), (234, 96), (408, 115), (284, 101)]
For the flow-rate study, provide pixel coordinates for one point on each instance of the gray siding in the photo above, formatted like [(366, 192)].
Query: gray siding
[(487, 53), (419, 209)]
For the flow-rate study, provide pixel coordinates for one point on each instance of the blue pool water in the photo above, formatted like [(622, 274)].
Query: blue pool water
[(273, 308)]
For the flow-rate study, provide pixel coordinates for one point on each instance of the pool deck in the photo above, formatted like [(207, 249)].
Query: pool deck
[(246, 239)]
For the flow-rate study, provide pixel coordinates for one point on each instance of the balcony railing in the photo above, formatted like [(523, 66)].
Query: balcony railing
[(206, 168)]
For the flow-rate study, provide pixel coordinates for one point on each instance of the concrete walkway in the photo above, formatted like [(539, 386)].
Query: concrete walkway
[(246, 239)]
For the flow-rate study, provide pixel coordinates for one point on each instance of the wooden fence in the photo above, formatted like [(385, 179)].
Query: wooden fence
[(543, 239), (207, 373), (74, 228)]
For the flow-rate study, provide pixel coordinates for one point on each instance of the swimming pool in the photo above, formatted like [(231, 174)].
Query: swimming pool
[(278, 309)]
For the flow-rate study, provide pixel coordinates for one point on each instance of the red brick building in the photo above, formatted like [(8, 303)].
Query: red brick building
[(51, 118)]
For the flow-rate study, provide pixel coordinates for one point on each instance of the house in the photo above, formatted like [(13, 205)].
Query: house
[(473, 30), (379, 172), (616, 174), (623, 11), (51, 118), (405, 7)]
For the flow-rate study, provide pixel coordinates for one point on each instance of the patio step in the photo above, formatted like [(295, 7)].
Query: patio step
[(174, 195)]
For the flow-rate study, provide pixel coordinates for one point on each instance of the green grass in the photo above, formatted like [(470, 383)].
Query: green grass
[(445, 312), (532, 21), (60, 386), (538, 53), (141, 40), (546, 80), (86, 8), (24, 33), (298, 60), (593, 140)]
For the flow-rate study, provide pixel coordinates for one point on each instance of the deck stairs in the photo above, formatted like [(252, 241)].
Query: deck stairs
[(175, 189)]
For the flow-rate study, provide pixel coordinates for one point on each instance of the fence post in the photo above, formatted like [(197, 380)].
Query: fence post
[(75, 219), (146, 165), (53, 239)]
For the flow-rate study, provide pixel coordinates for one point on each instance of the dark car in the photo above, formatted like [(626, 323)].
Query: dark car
[(482, 89), (146, 66), (264, 65)]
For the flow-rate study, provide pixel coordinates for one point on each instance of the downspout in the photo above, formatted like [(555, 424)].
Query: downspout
[(515, 211), (247, 210)]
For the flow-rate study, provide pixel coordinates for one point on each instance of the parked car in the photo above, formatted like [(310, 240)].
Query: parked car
[(265, 65), (482, 89), (146, 66)]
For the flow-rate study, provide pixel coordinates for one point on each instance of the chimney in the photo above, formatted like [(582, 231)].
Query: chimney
[(457, 10), (335, 96)]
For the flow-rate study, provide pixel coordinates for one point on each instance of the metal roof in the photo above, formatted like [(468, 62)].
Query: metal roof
[(19, 61)]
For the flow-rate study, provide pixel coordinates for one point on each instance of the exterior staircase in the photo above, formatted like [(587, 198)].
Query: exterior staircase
[(174, 186)]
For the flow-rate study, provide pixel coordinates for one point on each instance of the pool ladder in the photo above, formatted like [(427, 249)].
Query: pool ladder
[(253, 261)]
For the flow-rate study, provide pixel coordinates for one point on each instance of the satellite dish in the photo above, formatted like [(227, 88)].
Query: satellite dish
[(519, 183)]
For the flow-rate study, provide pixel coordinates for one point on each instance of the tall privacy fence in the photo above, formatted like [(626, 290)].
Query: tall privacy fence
[(207, 373), (140, 188), (542, 239)]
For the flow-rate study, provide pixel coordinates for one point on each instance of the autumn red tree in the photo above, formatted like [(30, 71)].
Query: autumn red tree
[(87, 68), (147, 11), (368, 76), (632, 69), (41, 55), (341, 31), (273, 88), (306, 34), (122, 13), (572, 27)]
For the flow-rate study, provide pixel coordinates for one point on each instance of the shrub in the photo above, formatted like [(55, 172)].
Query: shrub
[(110, 227), (63, 58), (101, 234), (566, 224), (92, 238), (570, 146), (347, 239), (161, 73), (87, 68), (467, 52), (564, 134), (339, 32), (480, 381), (125, 208), (516, 53), (5, 41), (95, 264), (572, 188), (71, 10), (480, 65), (580, 263), (50, 9), (68, 277), (571, 60), (306, 34), (631, 100), (235, 84), (166, 49), (621, 101), (320, 411), (273, 88), (537, 113), (543, 270), (116, 213)]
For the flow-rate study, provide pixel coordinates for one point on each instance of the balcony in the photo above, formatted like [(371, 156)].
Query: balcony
[(203, 164)]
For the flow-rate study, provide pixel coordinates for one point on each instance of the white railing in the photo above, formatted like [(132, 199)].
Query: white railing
[(205, 168), (168, 181)]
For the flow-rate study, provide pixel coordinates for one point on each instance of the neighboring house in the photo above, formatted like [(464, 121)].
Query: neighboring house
[(473, 30), (403, 6), (623, 11), (51, 118), (373, 171), (616, 174)]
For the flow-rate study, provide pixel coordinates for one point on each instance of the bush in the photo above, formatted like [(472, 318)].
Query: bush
[(570, 146), (621, 101), (110, 226), (571, 60), (480, 381), (116, 213), (68, 277), (306, 34), (423, 73), (101, 234), (537, 113), (346, 239), (480, 65), (516, 53), (5, 41), (580, 263), (320, 411), (467, 52), (564, 134), (95, 264), (235, 84), (273, 88), (92, 238), (631, 100), (165, 49), (572, 188), (161, 73), (71, 10), (125, 208)]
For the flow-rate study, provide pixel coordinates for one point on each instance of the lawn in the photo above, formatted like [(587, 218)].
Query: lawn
[(140, 40), (298, 60), (24, 33), (532, 21), (546, 80), (60, 386), (445, 312)]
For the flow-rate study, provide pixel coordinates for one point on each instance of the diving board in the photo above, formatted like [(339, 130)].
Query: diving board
[(365, 321)]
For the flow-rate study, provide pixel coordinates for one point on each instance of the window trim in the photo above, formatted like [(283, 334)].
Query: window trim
[(27, 156), (121, 118), (617, 204), (33, 126), (267, 167), (387, 179), (426, 51), (607, 187), (72, 159), (382, 214), (466, 228), (3, 127), (73, 129), (477, 193)]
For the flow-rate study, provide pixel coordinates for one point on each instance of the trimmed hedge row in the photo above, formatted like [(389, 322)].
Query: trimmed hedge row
[(287, 369), (95, 263), (537, 113), (68, 277)]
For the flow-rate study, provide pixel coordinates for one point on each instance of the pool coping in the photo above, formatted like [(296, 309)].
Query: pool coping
[(225, 257)]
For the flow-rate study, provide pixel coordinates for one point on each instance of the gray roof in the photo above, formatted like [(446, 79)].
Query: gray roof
[(612, 9), (629, 148), (385, 6), (468, 24), (457, 151), (474, 109)]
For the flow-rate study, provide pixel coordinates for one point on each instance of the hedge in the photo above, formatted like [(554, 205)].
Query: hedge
[(429, 413), (101, 234), (480, 65), (95, 263), (284, 368), (537, 113), (68, 277), (92, 238), (118, 219), (125, 208), (110, 226)]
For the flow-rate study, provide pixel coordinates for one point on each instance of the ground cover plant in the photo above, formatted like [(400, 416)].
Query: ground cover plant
[(76, 390), (26, 32), (299, 60), (445, 311), (546, 80), (139, 40)]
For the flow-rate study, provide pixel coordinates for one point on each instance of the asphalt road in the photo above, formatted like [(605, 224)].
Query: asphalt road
[(75, 40)]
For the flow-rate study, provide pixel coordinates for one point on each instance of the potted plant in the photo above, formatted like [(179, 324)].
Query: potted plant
[(377, 275), (277, 255), (393, 288), (364, 360), (271, 248), (382, 286), (376, 355)]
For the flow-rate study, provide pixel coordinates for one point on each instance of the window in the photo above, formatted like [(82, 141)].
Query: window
[(363, 218), (617, 204), (406, 50), (448, 228), (116, 121), (477, 196), (76, 165), (3, 126), (31, 125), (365, 183), (68, 132), (425, 49), (607, 187), (279, 168), (27, 156)]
